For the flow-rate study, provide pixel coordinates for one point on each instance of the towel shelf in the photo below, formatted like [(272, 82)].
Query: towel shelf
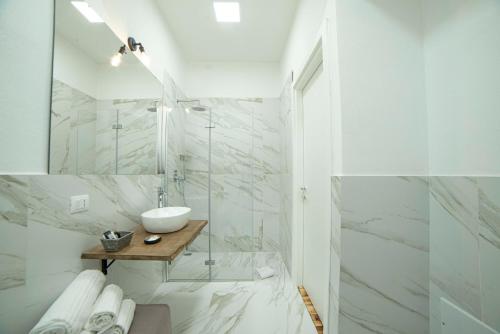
[(170, 246)]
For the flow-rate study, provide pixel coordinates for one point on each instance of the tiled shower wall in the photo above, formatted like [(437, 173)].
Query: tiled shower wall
[(83, 141), (245, 169), (408, 241), (41, 242), (73, 116)]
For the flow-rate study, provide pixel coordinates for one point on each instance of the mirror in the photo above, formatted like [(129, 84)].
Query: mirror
[(104, 119)]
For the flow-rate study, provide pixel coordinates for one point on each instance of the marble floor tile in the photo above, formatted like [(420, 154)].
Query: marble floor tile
[(266, 306)]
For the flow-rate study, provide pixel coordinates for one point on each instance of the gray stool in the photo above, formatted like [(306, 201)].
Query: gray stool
[(151, 319)]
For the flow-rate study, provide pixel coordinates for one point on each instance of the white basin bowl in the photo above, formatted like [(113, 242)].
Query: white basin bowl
[(165, 220)]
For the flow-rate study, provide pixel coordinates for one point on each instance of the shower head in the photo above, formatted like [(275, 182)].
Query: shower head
[(196, 107)]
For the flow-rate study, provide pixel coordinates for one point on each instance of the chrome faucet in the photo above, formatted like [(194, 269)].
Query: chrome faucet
[(162, 197)]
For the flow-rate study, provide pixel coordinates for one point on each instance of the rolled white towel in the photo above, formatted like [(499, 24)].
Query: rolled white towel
[(68, 313), (124, 320), (106, 309)]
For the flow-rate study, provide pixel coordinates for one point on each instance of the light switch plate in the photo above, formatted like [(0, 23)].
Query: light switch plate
[(79, 204)]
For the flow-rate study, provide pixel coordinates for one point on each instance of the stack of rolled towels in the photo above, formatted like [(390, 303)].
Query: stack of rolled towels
[(81, 310)]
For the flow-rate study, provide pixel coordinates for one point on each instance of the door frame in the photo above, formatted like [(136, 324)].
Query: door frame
[(321, 53)]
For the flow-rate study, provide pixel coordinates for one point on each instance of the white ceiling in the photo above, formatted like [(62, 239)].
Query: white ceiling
[(260, 36)]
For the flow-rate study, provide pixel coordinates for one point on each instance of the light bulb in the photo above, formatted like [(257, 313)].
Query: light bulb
[(116, 60), (188, 110)]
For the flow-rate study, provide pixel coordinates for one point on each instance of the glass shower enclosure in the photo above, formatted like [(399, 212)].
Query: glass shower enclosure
[(210, 169)]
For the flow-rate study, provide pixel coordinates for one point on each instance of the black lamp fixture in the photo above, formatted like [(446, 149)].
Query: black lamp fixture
[(116, 60), (132, 45)]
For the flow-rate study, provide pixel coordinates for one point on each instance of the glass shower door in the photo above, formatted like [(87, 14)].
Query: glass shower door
[(188, 184), (232, 186), (211, 170)]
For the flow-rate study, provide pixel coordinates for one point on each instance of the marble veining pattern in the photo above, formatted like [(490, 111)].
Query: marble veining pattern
[(13, 225), (134, 145), (116, 201), (384, 255), (35, 225), (335, 256), (73, 130), (268, 306), (464, 246), (83, 141), (245, 170), (454, 261)]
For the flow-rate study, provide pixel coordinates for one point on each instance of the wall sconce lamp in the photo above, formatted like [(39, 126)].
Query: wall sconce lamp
[(132, 45), (116, 60)]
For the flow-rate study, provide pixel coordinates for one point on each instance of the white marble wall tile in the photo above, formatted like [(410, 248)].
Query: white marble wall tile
[(138, 279), (48, 271), (12, 255), (105, 161), (86, 126), (232, 213), (267, 137), (196, 198), (136, 145), (335, 255), (14, 191), (266, 231), (30, 285), (232, 137), (267, 202), (13, 225), (489, 246), (197, 140), (62, 138), (116, 202), (385, 251), (177, 159), (454, 257), (137, 139), (73, 123)]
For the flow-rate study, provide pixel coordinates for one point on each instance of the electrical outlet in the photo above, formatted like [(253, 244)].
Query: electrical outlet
[(79, 204)]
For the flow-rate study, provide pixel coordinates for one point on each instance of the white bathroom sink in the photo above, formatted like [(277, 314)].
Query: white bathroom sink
[(165, 220)]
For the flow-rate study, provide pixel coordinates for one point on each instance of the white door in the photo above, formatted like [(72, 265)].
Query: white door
[(316, 225)]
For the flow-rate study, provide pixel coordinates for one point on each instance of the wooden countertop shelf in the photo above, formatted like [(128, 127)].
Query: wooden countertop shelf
[(170, 246)]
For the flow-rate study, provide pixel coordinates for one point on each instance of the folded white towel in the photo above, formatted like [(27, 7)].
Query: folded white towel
[(124, 318), (265, 272), (68, 313), (106, 309)]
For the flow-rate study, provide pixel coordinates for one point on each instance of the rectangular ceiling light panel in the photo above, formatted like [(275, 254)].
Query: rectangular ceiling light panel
[(227, 11), (87, 11)]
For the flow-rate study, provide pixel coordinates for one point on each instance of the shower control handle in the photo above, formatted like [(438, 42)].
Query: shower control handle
[(303, 189)]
